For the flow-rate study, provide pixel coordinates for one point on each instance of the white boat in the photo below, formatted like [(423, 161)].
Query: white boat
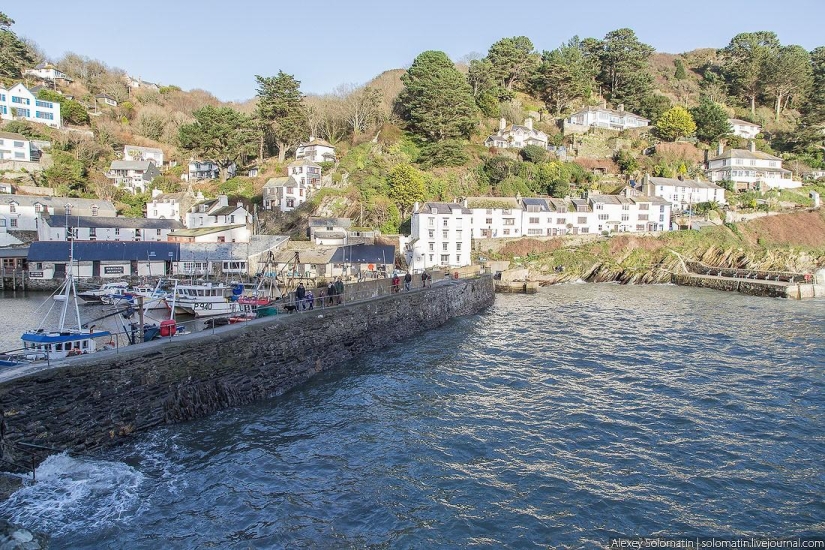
[(154, 297), (103, 293), (204, 300), (63, 340)]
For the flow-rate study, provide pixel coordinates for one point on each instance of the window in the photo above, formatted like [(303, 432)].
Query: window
[(661, 217), (231, 220), (458, 246), (534, 220), (290, 203), (582, 220), (23, 112), (644, 206), (432, 234), (642, 217), (158, 232), (44, 116), (444, 247), (458, 235), (13, 222), (20, 100), (445, 259), (431, 258), (506, 231), (117, 232), (18, 144), (661, 208), (603, 217), (95, 210), (40, 103), (625, 217), (458, 222), (534, 232), (12, 207), (488, 221), (92, 233), (19, 155), (585, 230), (599, 206), (432, 247), (445, 234), (625, 207), (38, 207), (458, 258), (431, 222), (640, 227), (446, 223), (509, 221), (154, 213), (560, 221)]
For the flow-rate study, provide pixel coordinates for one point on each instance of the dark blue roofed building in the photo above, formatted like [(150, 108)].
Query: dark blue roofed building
[(48, 260)]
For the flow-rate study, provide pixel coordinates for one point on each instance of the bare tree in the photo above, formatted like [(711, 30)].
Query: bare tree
[(361, 106)]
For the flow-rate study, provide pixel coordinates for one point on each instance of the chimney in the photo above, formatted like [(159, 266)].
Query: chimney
[(240, 204), (502, 124), (464, 202), (752, 146), (528, 122), (620, 107)]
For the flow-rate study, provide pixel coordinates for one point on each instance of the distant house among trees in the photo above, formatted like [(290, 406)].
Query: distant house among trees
[(602, 117), (316, 150), (516, 136), (133, 152), (138, 83), (749, 169), (206, 170), (106, 99), (134, 175), (284, 193), (743, 128), (47, 72)]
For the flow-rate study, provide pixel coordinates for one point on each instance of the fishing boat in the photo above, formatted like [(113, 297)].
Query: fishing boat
[(204, 300), (63, 340), (105, 291), (154, 297)]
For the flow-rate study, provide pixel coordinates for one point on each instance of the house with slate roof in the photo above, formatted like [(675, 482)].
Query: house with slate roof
[(15, 147), (47, 72), (218, 213), (59, 227), (682, 193), (19, 103), (24, 212), (172, 206), (601, 117), (743, 128), (749, 169), (135, 152), (515, 136), (49, 260), (133, 175), (284, 193), (316, 150), (440, 235)]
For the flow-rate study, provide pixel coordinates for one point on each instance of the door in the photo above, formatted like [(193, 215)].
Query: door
[(95, 269), (59, 271)]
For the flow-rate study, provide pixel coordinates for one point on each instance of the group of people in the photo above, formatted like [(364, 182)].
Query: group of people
[(305, 299), (426, 279)]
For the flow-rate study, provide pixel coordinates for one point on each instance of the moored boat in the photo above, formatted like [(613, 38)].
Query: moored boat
[(105, 291), (205, 300)]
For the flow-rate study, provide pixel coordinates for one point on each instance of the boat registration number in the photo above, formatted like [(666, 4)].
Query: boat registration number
[(203, 305)]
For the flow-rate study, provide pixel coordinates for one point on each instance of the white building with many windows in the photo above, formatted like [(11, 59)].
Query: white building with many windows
[(18, 103), (136, 153), (24, 212), (217, 215), (284, 194), (440, 235), (517, 137), (743, 128), (305, 172), (682, 193), (15, 147), (602, 117), (134, 175), (96, 228), (316, 150), (172, 206), (749, 169)]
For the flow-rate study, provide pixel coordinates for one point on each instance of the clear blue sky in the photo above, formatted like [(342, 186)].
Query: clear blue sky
[(219, 46)]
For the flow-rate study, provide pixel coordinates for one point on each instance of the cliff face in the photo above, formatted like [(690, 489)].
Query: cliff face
[(788, 242)]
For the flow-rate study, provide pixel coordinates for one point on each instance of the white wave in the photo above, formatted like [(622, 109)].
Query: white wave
[(75, 494)]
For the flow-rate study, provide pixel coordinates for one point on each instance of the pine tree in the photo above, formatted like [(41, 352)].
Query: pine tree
[(280, 107), (711, 121), (14, 55)]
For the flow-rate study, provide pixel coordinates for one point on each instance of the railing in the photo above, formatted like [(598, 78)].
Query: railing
[(753, 274)]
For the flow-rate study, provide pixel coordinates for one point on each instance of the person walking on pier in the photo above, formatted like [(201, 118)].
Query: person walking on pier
[(300, 294), (331, 294), (407, 281), (339, 289), (424, 278), (310, 299)]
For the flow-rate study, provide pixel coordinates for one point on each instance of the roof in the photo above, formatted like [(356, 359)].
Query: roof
[(609, 199), (139, 148), (225, 210), (85, 251), (674, 182), (10, 135), (21, 252), (364, 254), (316, 141), (541, 203), (606, 110), (324, 222), (57, 202), (106, 222), (742, 122), (201, 231), (745, 154), (105, 96), (492, 202), (278, 182), (131, 164), (303, 162), (306, 256), (443, 208), (651, 199), (330, 234)]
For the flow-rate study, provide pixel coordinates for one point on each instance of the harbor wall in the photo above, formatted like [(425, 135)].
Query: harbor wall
[(101, 399), (770, 289)]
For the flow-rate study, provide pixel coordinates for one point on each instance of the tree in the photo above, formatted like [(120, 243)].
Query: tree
[(14, 54), (788, 73), (745, 60), (533, 153), (564, 75), (221, 134), (280, 105), (623, 63), (675, 123), (680, 73), (486, 89), (437, 101), (513, 59), (654, 106), (626, 161), (406, 187), (361, 107), (711, 121)]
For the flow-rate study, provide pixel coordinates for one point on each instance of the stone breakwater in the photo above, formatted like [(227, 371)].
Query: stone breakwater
[(106, 397)]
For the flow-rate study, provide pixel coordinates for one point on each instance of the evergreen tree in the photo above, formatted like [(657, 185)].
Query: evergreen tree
[(788, 75), (711, 121), (221, 134), (744, 63), (281, 108), (675, 123), (513, 59), (623, 63), (14, 54), (437, 101), (680, 73), (564, 75), (406, 187)]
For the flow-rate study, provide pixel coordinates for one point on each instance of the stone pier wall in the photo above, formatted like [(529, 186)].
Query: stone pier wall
[(750, 287), (102, 398)]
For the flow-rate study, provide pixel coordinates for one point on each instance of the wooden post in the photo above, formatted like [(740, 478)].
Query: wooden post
[(140, 318)]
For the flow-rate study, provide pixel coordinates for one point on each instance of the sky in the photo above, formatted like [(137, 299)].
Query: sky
[(220, 46)]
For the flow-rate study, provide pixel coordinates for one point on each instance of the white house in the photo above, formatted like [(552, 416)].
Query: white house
[(24, 212), (602, 117), (743, 128), (15, 147), (516, 136), (106, 99), (133, 175), (217, 212), (216, 234), (18, 103), (206, 170), (284, 194), (316, 150), (138, 83), (133, 152), (305, 172), (329, 231), (749, 169), (97, 228), (171, 206), (494, 216), (682, 193), (440, 235), (47, 71)]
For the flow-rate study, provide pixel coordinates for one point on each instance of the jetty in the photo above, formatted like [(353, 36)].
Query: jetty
[(773, 284)]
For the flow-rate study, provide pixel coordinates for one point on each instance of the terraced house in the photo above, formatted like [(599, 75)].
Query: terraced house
[(18, 103)]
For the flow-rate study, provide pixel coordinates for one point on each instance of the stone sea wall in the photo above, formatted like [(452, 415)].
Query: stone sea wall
[(105, 397)]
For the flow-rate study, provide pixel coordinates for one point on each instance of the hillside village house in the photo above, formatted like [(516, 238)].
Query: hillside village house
[(218, 213), (6, 188), (18, 103), (602, 117), (47, 72), (329, 231), (24, 212), (206, 170), (135, 153), (172, 206), (284, 194), (749, 169), (440, 235), (106, 99), (15, 147), (133, 175), (237, 233), (315, 150), (306, 172), (98, 228), (517, 136), (743, 128), (682, 193)]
